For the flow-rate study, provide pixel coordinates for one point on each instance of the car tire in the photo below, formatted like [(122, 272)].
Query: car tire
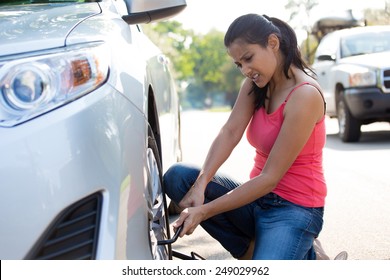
[(349, 127), (158, 210)]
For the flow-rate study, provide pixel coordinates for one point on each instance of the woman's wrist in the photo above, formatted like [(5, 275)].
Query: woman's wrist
[(200, 183), (204, 209)]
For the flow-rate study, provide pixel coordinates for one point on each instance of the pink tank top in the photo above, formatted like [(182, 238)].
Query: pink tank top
[(304, 182)]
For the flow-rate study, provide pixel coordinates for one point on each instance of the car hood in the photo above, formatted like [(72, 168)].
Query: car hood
[(374, 60), (32, 27)]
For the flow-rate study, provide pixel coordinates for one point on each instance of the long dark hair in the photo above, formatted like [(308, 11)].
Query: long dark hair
[(255, 29)]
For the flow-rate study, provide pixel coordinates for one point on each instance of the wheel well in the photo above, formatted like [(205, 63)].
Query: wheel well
[(153, 119)]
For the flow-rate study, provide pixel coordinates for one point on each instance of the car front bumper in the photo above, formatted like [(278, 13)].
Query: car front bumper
[(368, 103)]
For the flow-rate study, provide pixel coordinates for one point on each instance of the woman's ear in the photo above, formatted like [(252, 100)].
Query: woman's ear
[(273, 42)]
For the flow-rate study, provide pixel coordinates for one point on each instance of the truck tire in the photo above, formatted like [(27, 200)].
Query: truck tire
[(349, 126)]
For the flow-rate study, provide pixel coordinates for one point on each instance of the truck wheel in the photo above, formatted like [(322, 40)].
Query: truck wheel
[(349, 127)]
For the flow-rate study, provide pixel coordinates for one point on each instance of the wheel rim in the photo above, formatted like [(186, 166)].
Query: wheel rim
[(157, 225)]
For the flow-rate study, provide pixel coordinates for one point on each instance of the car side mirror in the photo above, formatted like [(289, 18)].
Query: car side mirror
[(141, 11), (326, 57)]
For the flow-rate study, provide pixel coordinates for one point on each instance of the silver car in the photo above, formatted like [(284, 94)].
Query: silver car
[(89, 121)]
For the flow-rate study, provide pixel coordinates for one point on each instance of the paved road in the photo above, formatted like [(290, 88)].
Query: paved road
[(357, 217)]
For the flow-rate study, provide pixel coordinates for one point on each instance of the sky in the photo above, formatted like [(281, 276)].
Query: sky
[(204, 15)]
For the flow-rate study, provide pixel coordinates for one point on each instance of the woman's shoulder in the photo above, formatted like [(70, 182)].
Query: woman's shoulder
[(307, 94), (306, 88)]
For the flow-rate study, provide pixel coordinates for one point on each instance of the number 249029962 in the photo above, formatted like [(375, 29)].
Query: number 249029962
[(230, 270)]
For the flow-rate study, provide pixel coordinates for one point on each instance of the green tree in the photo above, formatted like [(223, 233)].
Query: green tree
[(200, 61), (231, 82), (209, 55), (214, 69), (174, 40)]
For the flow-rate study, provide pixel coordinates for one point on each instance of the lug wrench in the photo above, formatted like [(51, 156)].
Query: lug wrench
[(173, 239), (194, 256)]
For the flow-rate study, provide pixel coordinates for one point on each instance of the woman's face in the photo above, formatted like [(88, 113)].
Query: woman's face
[(255, 62)]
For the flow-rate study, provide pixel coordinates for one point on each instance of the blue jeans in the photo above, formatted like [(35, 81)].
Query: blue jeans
[(281, 230)]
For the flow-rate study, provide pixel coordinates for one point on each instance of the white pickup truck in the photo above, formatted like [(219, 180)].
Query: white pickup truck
[(353, 69)]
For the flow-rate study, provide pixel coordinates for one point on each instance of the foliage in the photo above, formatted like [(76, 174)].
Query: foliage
[(209, 55), (171, 37), (200, 61)]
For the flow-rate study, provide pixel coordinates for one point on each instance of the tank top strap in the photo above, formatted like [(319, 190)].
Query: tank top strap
[(295, 88), (302, 84)]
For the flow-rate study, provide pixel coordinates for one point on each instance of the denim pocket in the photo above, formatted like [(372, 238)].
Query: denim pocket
[(269, 200)]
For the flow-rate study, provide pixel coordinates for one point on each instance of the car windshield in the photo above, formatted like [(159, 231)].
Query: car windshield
[(365, 43), (21, 2)]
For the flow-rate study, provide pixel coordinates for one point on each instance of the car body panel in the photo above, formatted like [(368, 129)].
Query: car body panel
[(37, 23)]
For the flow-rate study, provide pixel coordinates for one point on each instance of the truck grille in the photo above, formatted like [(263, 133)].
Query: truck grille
[(386, 80), (74, 233)]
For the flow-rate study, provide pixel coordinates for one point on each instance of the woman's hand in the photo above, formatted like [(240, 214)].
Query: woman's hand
[(190, 218), (194, 197)]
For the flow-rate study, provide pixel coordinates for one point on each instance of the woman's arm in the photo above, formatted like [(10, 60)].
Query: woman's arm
[(230, 134), (222, 146)]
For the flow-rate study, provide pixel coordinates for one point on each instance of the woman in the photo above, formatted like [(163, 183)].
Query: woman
[(278, 213)]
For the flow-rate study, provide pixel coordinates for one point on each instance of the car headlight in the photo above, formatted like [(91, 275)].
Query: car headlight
[(35, 85), (363, 78)]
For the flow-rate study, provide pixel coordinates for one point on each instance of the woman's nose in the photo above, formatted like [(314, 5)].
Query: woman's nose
[(246, 71)]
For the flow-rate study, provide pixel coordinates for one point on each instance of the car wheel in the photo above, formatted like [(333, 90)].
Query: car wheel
[(158, 213), (349, 127)]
